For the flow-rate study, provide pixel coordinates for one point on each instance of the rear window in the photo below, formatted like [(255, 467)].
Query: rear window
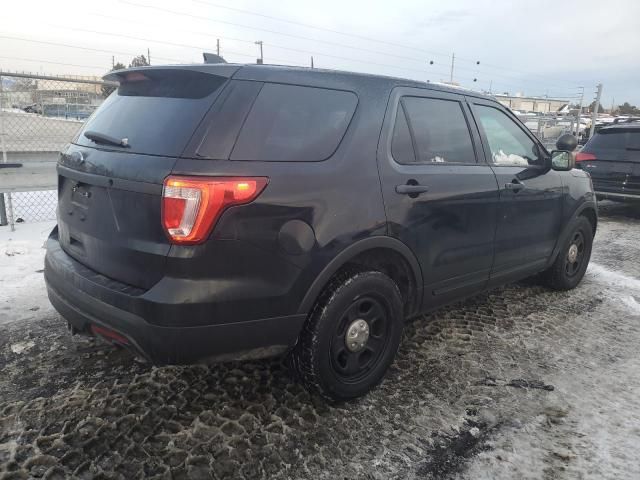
[(609, 140), (615, 144), (156, 110), (293, 123)]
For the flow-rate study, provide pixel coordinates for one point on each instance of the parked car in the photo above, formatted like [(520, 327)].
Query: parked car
[(33, 108), (612, 158), (229, 211)]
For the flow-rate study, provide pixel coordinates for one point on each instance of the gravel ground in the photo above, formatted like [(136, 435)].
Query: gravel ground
[(520, 382)]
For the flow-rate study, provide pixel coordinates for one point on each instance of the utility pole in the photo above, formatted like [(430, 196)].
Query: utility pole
[(594, 114), (218, 46), (453, 61), (311, 61), (579, 112), (148, 56), (261, 59), (113, 61)]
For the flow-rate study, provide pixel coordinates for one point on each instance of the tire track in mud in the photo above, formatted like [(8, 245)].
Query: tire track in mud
[(467, 379)]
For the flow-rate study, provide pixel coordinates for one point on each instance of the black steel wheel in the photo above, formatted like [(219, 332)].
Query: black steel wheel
[(361, 337), (351, 336), (575, 254)]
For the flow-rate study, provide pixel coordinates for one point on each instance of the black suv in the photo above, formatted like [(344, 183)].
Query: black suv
[(229, 211), (612, 158)]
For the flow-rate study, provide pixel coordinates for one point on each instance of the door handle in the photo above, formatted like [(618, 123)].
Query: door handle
[(414, 190), (515, 186)]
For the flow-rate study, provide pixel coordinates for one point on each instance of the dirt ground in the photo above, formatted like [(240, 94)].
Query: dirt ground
[(521, 382)]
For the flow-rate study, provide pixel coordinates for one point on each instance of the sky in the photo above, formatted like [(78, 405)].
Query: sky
[(530, 47)]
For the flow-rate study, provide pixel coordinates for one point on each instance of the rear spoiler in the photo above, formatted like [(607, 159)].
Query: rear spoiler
[(219, 69)]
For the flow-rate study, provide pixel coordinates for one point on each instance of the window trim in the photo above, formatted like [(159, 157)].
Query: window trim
[(430, 95), (473, 103)]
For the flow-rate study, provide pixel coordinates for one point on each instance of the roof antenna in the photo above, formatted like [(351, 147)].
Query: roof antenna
[(212, 58)]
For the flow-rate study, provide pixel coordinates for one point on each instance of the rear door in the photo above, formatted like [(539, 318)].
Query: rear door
[(110, 178), (612, 158), (439, 200), (531, 196)]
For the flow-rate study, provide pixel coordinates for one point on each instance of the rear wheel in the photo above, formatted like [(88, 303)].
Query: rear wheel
[(351, 336), (573, 259)]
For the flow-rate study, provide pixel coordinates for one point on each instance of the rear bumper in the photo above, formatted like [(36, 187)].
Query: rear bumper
[(86, 302)]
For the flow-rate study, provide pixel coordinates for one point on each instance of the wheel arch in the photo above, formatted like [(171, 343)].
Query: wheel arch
[(586, 209), (380, 253)]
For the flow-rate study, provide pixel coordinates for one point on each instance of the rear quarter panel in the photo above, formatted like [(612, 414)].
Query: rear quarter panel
[(248, 272)]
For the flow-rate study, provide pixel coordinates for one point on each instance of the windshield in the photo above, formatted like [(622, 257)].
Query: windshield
[(155, 111)]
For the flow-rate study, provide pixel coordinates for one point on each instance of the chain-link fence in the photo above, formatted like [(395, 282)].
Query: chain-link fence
[(548, 128), (39, 114)]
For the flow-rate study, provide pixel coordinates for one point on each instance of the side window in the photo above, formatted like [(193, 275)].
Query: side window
[(293, 123), (440, 131), (401, 143), (508, 143)]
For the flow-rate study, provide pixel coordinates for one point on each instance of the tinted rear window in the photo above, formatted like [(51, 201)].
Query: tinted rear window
[(609, 140), (157, 111), (617, 144), (293, 123)]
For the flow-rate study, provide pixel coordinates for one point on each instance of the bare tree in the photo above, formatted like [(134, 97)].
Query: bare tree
[(108, 89), (139, 61)]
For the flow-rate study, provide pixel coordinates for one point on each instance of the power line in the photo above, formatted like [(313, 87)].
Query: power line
[(324, 29), (164, 42), (274, 32), (353, 35), (89, 49), (335, 44), (306, 52), (202, 48), (22, 59)]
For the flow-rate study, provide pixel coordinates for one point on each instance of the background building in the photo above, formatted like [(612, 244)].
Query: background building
[(531, 104)]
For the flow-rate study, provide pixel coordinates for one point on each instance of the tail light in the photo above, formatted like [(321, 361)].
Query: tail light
[(584, 157), (192, 205)]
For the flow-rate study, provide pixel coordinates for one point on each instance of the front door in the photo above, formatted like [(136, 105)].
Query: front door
[(531, 198), (439, 200)]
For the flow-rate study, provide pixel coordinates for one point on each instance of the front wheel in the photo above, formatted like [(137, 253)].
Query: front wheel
[(351, 336), (573, 258)]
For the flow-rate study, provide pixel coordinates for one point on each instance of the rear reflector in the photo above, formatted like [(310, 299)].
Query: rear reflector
[(583, 157), (109, 334), (192, 205)]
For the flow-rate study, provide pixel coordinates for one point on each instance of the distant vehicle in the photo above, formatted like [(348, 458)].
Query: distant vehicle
[(33, 108), (235, 211), (612, 158)]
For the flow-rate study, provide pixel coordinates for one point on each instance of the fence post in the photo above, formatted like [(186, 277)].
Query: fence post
[(3, 146)]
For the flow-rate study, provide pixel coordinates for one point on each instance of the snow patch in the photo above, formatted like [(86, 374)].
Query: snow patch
[(612, 278), (22, 263), (631, 302), (22, 347)]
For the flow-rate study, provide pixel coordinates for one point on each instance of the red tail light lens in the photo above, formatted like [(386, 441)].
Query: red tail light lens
[(192, 205), (583, 157)]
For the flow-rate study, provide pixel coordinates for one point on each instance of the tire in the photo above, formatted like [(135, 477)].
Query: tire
[(565, 274), (323, 360)]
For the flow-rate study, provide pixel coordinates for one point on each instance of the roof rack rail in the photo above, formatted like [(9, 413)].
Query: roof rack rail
[(617, 121)]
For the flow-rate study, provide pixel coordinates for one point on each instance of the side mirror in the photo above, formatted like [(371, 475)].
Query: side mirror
[(567, 142), (561, 160)]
